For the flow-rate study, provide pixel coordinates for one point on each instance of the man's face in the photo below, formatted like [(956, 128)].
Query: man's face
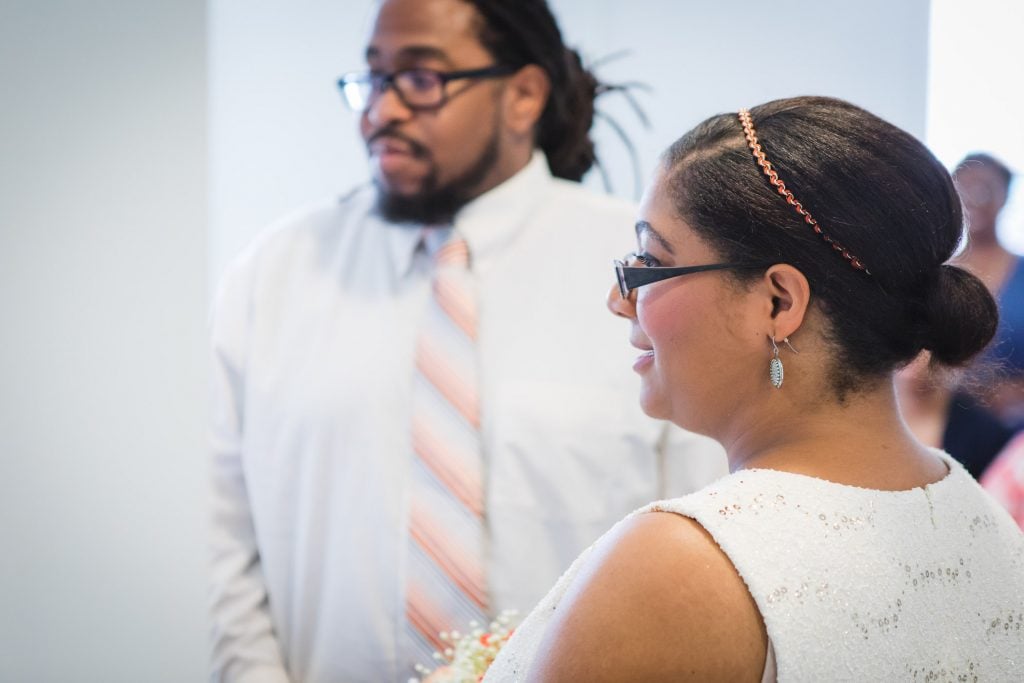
[(428, 163)]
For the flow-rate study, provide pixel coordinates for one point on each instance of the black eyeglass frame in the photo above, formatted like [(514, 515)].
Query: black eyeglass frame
[(381, 82), (631, 277)]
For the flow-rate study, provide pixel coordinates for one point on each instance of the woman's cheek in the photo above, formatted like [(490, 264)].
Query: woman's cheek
[(656, 316)]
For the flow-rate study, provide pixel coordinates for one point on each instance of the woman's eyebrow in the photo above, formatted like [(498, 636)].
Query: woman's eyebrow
[(645, 228)]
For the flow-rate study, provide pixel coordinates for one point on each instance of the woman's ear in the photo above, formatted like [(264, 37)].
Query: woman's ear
[(790, 298), (525, 98)]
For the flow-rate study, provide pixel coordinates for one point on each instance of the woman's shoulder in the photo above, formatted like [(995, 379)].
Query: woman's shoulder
[(657, 580), (753, 489)]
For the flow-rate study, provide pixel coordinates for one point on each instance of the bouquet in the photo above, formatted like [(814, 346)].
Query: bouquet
[(468, 655)]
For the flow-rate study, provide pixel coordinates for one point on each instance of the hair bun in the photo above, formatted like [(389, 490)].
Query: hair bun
[(961, 316)]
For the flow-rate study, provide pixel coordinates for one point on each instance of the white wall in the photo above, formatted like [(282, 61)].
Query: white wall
[(281, 136), (102, 340)]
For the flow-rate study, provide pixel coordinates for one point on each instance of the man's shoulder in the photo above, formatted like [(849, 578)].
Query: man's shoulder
[(347, 211), (321, 222), (586, 220), (586, 198)]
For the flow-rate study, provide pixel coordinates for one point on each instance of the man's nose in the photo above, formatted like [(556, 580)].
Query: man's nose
[(386, 106)]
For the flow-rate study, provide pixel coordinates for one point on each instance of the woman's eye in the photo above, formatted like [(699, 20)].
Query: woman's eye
[(647, 260)]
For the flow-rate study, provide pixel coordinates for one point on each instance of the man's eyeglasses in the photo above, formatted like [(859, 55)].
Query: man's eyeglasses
[(417, 88), (630, 277)]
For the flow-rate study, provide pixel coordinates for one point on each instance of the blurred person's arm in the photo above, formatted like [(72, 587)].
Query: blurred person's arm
[(244, 648)]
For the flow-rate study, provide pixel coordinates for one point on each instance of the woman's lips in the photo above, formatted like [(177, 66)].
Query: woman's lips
[(643, 361)]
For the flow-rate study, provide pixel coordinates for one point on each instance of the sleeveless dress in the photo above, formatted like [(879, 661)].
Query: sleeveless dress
[(1008, 345), (854, 584)]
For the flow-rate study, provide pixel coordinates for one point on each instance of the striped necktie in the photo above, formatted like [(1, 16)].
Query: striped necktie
[(445, 578)]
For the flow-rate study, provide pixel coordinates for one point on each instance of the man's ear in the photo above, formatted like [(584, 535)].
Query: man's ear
[(789, 299), (525, 97)]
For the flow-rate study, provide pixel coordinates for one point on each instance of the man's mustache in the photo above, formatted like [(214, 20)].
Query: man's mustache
[(415, 147)]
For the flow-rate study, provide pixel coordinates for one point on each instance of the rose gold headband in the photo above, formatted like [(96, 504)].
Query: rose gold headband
[(773, 177)]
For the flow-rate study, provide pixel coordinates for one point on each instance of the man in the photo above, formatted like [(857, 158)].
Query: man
[(344, 537)]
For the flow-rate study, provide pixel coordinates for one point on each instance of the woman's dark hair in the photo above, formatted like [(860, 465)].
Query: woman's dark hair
[(873, 188), (521, 32)]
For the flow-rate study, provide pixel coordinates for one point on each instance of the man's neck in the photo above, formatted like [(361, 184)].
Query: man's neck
[(513, 163)]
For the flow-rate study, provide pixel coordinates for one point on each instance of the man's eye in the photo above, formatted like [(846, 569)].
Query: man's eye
[(420, 80), (375, 79)]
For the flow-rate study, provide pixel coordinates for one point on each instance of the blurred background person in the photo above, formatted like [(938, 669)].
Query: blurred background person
[(976, 415), (1004, 478), (943, 414), (984, 184)]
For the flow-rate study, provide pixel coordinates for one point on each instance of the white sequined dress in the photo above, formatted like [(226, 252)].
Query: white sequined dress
[(855, 584)]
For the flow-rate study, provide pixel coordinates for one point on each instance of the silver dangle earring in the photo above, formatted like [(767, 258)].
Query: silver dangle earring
[(775, 367), (775, 373)]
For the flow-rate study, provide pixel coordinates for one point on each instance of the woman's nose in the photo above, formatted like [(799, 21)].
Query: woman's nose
[(622, 307)]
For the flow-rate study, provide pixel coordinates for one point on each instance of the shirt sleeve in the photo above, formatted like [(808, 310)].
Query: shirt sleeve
[(244, 648)]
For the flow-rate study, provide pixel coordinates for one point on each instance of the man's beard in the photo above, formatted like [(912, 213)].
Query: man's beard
[(434, 205)]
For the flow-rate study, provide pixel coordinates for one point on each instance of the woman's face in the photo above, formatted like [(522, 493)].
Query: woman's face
[(984, 194), (697, 346)]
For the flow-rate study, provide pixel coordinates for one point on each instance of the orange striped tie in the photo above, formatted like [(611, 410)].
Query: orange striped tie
[(445, 579)]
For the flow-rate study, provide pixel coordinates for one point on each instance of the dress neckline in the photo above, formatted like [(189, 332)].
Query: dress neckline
[(952, 467)]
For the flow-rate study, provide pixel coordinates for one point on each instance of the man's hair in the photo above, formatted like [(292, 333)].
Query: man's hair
[(983, 159), (522, 32)]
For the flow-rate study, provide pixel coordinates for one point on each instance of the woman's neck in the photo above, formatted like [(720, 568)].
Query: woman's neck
[(861, 442)]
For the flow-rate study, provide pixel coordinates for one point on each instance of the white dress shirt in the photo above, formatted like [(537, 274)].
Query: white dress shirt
[(313, 336)]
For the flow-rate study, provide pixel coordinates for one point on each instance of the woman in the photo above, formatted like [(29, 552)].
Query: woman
[(804, 248), (984, 183)]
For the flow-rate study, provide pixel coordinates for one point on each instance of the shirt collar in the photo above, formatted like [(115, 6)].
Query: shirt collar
[(488, 223), (492, 220), (403, 239)]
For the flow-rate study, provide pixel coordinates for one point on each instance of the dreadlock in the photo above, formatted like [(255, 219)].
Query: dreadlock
[(525, 32)]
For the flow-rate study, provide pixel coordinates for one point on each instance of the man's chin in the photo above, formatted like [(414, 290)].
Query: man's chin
[(436, 208), (401, 181)]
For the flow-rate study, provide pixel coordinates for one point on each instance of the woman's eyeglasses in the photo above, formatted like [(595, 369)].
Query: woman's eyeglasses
[(630, 276)]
